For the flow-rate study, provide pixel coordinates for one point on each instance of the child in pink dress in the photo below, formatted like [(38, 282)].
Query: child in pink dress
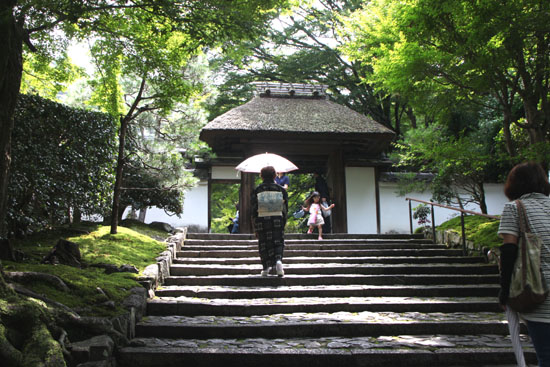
[(313, 205)]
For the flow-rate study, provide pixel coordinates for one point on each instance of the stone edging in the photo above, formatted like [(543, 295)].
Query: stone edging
[(99, 350), (454, 240), (154, 274)]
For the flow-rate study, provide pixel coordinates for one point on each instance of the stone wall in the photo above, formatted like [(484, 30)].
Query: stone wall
[(454, 240)]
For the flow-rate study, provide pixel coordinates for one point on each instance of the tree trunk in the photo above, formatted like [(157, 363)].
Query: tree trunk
[(535, 121), (11, 69), (118, 179), (124, 121), (482, 201), (121, 210), (397, 118), (506, 122), (412, 117), (77, 216), (142, 215)]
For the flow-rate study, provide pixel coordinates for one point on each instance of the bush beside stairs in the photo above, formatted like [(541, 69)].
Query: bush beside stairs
[(349, 300)]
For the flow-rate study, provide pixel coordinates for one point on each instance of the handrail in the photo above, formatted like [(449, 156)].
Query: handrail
[(462, 212)]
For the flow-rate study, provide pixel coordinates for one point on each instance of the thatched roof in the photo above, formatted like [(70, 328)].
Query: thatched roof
[(293, 115), (287, 113)]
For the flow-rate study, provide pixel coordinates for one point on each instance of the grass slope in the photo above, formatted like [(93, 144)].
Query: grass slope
[(482, 231), (97, 245)]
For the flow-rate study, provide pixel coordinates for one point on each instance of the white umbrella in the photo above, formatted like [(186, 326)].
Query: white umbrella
[(259, 161), (513, 326)]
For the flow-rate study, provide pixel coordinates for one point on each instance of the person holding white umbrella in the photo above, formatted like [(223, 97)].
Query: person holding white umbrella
[(269, 214)]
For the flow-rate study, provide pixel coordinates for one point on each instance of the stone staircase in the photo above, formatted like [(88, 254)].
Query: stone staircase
[(349, 300)]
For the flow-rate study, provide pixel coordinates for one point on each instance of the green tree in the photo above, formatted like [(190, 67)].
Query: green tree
[(224, 198), (459, 164), (144, 188), (158, 147), (304, 47), (471, 49), (38, 24)]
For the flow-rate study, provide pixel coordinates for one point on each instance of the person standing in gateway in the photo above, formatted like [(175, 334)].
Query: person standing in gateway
[(269, 213), (322, 188), (282, 180)]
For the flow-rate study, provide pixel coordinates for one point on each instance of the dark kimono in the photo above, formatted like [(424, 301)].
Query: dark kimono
[(269, 211)]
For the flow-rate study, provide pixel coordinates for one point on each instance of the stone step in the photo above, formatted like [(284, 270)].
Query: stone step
[(314, 242), (384, 351), (316, 247), (316, 325), (458, 290), (336, 269), (304, 236), (192, 306), (324, 280), (352, 300), (341, 260), (324, 253)]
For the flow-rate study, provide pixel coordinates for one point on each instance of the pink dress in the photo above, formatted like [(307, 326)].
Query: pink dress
[(315, 216)]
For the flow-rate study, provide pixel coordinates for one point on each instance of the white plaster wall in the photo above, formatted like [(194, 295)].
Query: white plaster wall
[(195, 206), (495, 198), (361, 204), (195, 209), (225, 173), (394, 210), (361, 200)]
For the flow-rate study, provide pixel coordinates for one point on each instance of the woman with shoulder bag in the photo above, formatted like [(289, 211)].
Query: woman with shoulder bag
[(528, 183)]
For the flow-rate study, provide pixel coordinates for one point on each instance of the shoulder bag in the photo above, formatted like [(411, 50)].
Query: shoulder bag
[(528, 287)]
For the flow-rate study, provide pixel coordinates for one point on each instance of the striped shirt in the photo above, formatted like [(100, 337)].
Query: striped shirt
[(537, 207)]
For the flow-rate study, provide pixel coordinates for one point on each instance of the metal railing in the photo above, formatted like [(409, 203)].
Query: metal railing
[(462, 213)]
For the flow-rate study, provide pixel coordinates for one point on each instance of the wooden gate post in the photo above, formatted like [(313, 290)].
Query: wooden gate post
[(337, 181), (245, 212)]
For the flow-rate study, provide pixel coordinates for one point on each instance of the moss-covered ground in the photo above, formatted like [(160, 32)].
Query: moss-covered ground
[(481, 230), (133, 246)]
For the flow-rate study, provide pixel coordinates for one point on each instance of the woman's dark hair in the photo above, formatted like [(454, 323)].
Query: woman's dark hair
[(526, 178), (268, 173)]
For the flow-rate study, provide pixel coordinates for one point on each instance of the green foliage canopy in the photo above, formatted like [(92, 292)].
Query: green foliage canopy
[(431, 48), (304, 47), (46, 27)]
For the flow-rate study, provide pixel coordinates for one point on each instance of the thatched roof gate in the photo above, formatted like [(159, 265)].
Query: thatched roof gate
[(298, 121)]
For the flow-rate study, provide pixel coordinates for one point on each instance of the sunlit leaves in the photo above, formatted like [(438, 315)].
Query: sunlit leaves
[(48, 77), (422, 49)]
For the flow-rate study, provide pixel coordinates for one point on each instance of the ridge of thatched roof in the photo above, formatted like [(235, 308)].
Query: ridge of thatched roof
[(315, 115)]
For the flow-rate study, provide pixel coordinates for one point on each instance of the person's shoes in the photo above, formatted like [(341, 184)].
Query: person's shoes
[(265, 272), (320, 238), (279, 268), (309, 231)]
